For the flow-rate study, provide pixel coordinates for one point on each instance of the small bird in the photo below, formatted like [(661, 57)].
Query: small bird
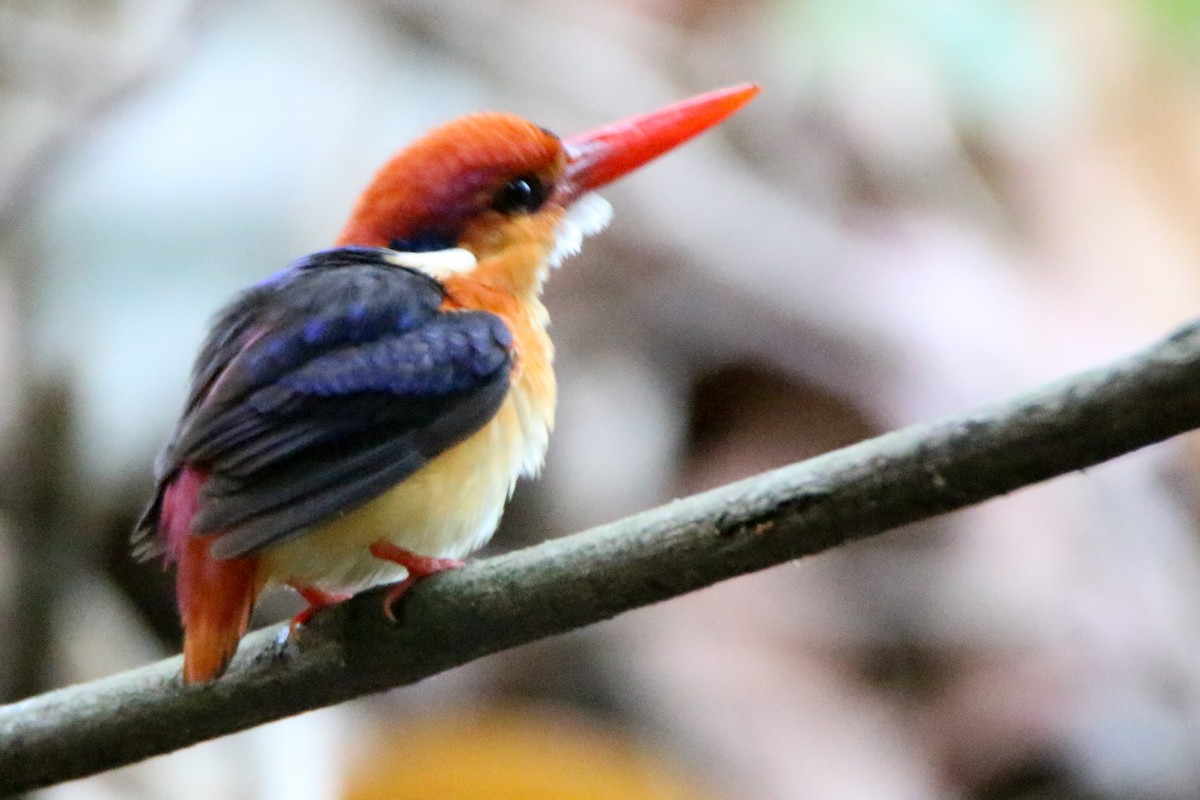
[(362, 416)]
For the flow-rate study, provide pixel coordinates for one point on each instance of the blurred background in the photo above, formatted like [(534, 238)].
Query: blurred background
[(932, 204)]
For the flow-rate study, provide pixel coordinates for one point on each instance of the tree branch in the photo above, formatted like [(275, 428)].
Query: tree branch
[(500, 602)]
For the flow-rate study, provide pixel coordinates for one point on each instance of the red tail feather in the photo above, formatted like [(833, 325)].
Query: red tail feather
[(215, 595)]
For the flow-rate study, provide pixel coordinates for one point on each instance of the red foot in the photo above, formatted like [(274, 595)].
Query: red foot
[(418, 567), (316, 600)]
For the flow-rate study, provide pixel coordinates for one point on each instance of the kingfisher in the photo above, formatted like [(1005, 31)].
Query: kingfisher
[(362, 416)]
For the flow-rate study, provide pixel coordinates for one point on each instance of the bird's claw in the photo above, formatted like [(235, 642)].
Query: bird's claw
[(393, 596), (418, 567), (283, 639)]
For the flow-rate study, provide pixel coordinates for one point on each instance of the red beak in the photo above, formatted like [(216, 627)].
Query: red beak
[(605, 154)]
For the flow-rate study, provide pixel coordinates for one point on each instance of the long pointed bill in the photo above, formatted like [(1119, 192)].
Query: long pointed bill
[(605, 154)]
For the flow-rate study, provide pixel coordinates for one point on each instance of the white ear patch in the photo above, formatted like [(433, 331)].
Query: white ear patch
[(437, 263), (587, 215)]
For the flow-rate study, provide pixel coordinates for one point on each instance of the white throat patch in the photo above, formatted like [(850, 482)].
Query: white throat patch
[(586, 216), (439, 264)]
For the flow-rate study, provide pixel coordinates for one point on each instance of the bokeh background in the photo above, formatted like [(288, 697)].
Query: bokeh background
[(932, 204)]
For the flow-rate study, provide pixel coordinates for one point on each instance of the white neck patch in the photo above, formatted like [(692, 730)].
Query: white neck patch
[(439, 264), (586, 216)]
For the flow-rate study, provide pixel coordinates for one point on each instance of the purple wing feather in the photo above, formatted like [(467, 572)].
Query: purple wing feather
[(322, 387)]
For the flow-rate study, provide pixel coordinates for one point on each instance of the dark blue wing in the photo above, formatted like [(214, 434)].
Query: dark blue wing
[(342, 296), (324, 386)]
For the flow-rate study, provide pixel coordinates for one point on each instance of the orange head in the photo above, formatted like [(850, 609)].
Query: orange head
[(488, 185)]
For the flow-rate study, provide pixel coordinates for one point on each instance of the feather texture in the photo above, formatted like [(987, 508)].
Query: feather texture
[(365, 405), (323, 386)]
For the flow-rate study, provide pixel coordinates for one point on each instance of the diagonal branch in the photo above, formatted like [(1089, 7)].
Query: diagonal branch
[(554, 587)]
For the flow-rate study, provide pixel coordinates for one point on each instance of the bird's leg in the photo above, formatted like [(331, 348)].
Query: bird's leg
[(316, 599), (418, 567)]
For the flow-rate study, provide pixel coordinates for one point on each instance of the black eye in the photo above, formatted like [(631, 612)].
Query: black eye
[(520, 195)]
